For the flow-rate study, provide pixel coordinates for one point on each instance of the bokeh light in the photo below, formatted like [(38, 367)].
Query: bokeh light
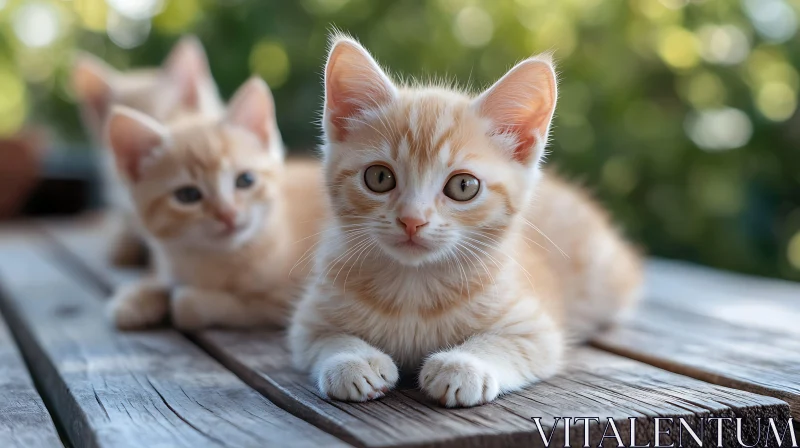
[(178, 16), (136, 9), (92, 13), (473, 26), (681, 114), (776, 100), (12, 102), (36, 24), (126, 32), (269, 60), (725, 44), (678, 47), (719, 129), (774, 20), (793, 251)]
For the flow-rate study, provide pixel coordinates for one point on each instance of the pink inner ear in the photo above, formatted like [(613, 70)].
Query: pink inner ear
[(133, 163), (133, 136), (252, 109), (188, 66), (522, 104), (353, 82), (92, 88)]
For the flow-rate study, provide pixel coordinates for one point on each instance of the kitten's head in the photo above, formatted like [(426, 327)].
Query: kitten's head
[(202, 182), (182, 85), (430, 173)]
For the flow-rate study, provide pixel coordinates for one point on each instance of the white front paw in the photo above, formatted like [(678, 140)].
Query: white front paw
[(187, 309), (458, 379), (357, 376)]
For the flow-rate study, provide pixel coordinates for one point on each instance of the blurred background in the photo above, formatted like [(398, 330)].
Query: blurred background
[(680, 115)]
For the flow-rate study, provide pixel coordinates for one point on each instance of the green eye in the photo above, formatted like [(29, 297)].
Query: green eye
[(379, 179), (462, 187), (188, 195), (245, 180)]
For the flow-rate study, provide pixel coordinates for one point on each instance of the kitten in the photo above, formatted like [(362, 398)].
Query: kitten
[(182, 85), (226, 220), (434, 258)]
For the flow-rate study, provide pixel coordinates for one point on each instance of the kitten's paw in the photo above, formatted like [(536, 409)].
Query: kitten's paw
[(357, 377), (186, 309), (458, 379), (138, 305)]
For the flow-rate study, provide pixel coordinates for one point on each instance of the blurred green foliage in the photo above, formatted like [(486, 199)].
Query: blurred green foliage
[(680, 115)]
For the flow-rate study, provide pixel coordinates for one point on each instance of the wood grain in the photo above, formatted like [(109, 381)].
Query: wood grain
[(24, 420), (595, 384), (730, 330), (129, 389)]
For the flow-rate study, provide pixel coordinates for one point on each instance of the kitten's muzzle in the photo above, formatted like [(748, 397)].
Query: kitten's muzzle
[(411, 225), (228, 217)]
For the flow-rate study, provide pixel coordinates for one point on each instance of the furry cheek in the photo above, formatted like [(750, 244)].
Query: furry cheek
[(493, 211)]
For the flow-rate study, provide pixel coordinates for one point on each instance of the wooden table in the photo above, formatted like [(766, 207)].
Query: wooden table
[(704, 344)]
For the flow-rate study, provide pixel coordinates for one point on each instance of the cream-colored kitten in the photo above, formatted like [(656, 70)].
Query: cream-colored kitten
[(434, 259), (183, 85), (225, 218)]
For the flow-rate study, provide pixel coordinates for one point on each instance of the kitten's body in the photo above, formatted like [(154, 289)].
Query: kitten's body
[(183, 86), (226, 258), (472, 293)]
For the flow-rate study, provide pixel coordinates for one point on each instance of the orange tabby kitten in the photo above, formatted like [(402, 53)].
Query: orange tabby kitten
[(437, 256), (183, 85), (224, 217)]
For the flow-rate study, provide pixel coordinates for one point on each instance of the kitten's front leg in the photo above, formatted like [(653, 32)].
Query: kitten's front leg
[(344, 367), (489, 364), (139, 305)]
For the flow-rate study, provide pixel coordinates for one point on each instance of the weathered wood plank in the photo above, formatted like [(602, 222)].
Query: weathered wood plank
[(130, 389), (596, 384), (24, 420), (727, 329), (753, 302)]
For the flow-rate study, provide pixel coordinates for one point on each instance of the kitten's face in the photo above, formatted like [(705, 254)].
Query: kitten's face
[(202, 182), (428, 174), (212, 186), (426, 156)]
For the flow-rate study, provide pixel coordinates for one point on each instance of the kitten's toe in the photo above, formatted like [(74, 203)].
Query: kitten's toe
[(357, 377), (186, 310), (137, 306), (458, 380)]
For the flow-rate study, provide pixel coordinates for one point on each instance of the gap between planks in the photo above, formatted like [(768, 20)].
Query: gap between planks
[(129, 389), (405, 418)]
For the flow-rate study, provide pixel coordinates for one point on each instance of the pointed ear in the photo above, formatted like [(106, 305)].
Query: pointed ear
[(187, 65), (353, 83), (520, 106), (133, 136), (253, 109), (92, 81)]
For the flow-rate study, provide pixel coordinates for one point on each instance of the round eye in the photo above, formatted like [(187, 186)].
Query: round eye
[(245, 180), (188, 195), (462, 187), (379, 179)]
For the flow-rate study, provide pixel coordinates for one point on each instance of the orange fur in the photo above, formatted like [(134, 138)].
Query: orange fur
[(183, 85), (478, 297), (227, 258)]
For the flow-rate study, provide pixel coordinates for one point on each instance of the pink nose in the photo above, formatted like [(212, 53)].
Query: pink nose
[(226, 216), (411, 224)]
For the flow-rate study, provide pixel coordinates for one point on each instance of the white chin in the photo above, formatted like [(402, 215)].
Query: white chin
[(234, 239)]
